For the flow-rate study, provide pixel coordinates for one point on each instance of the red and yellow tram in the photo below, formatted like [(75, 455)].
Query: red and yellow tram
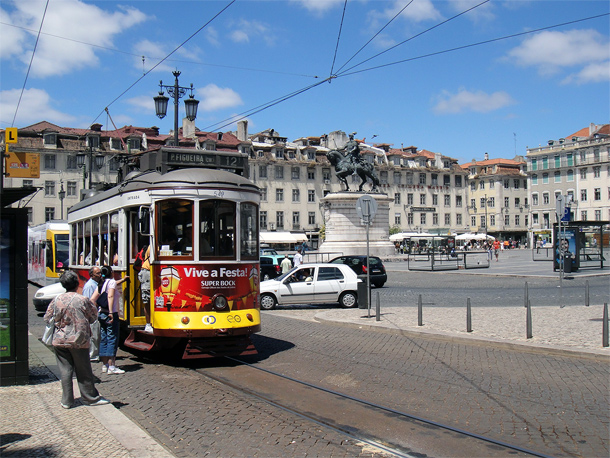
[(202, 228)]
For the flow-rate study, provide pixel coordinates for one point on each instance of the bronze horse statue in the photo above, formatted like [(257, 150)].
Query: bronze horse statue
[(345, 166)]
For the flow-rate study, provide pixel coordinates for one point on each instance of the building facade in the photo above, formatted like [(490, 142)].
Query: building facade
[(498, 200), (577, 166)]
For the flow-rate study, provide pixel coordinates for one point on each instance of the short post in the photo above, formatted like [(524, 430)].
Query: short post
[(587, 293), (605, 327), (528, 330), (420, 321), (378, 309), (526, 295), (468, 316)]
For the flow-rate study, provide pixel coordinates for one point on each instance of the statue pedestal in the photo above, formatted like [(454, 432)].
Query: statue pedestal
[(346, 233)]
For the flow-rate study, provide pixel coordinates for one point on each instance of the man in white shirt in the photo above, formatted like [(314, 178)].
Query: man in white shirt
[(298, 258)]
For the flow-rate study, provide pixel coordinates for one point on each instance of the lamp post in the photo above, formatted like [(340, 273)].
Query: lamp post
[(62, 196), (81, 162), (176, 92)]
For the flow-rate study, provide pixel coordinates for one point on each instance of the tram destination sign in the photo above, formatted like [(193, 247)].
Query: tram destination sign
[(207, 159)]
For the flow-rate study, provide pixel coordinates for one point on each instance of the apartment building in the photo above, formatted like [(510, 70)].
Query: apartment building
[(74, 162), (576, 166), (428, 189), (498, 198)]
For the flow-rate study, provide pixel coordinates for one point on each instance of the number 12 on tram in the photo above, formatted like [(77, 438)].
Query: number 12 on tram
[(201, 226)]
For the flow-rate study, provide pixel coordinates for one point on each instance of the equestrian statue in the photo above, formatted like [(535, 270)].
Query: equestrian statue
[(351, 162)]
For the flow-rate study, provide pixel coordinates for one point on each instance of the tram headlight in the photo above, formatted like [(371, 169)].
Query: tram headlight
[(185, 320), (250, 317), (220, 302)]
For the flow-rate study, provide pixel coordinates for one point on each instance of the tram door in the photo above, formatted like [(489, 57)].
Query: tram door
[(136, 313)]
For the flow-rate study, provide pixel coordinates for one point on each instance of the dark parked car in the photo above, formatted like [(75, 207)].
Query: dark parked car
[(358, 264), (270, 268)]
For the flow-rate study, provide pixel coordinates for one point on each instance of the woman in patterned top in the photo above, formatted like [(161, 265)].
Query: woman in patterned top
[(72, 314)]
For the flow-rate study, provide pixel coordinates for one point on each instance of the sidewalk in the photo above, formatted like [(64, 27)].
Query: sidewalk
[(33, 424)]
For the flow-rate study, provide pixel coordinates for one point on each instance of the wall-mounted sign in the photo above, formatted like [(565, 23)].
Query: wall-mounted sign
[(22, 165), (423, 209)]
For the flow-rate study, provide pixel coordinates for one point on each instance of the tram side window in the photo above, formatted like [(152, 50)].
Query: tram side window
[(217, 228), (248, 227), (175, 228)]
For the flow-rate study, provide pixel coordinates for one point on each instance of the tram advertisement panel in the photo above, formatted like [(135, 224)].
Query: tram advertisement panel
[(193, 287)]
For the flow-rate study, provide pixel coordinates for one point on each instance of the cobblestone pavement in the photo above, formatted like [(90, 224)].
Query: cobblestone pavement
[(196, 417), (33, 424), (557, 405)]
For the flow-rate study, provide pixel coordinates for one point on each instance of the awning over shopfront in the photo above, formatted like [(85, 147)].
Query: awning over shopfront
[(282, 237)]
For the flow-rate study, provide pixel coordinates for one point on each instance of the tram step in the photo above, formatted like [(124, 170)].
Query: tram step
[(134, 340)]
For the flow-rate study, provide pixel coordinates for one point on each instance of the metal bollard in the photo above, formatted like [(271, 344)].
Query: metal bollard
[(605, 327), (468, 316), (378, 309), (528, 325), (526, 296), (420, 321), (587, 293)]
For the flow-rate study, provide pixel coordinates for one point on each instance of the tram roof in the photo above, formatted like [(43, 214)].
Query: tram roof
[(181, 178)]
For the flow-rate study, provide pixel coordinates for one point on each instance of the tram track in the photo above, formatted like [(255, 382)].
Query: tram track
[(388, 430)]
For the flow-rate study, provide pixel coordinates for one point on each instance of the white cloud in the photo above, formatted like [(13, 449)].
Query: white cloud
[(550, 51), (70, 19), (35, 106), (483, 12), (318, 6), (419, 10), (217, 98), (246, 30), (153, 53), (596, 72), (142, 103), (465, 100)]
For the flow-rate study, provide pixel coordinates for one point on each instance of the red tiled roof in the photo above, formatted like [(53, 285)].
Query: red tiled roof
[(584, 132), (488, 162)]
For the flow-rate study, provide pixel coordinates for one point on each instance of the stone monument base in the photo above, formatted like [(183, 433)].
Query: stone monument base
[(346, 233)]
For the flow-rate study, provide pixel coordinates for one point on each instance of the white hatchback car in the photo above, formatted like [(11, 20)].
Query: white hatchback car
[(45, 295), (312, 284)]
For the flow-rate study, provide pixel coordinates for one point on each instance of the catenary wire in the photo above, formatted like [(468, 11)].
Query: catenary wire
[(338, 38), (415, 36), (228, 121), (165, 58), (375, 36), (30, 66), (471, 45), (157, 58)]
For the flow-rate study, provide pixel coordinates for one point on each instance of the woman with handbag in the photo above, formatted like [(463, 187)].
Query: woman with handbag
[(107, 299), (72, 314)]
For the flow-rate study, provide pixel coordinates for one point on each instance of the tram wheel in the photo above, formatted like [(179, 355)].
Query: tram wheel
[(268, 302), (348, 300)]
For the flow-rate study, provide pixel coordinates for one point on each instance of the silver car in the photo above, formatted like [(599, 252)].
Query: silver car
[(312, 284)]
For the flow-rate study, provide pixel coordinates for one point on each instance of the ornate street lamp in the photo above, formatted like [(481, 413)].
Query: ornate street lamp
[(81, 161), (62, 196), (176, 92)]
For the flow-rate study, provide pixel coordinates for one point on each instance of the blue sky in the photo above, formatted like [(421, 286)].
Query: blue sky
[(498, 97)]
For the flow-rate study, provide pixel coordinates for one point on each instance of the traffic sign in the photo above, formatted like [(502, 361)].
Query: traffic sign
[(366, 207), (560, 205), (10, 135)]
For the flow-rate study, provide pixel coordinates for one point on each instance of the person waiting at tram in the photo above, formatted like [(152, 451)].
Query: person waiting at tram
[(108, 315)]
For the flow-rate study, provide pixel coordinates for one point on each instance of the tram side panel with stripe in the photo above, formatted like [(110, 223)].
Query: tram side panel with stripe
[(202, 228)]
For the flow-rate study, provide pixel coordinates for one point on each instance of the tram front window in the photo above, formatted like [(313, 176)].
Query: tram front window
[(217, 229), (175, 227)]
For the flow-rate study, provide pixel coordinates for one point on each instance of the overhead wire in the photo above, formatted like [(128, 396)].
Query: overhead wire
[(30, 65), (165, 58), (375, 36), (471, 45), (262, 107), (338, 38), (154, 58), (418, 35)]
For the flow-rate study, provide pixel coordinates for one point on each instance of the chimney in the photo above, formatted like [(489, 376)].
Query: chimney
[(242, 131), (486, 156), (188, 128)]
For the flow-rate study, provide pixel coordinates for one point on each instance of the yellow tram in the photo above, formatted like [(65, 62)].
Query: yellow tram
[(202, 227)]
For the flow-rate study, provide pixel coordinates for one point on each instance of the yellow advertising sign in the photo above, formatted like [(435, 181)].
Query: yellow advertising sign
[(10, 135), (22, 165)]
